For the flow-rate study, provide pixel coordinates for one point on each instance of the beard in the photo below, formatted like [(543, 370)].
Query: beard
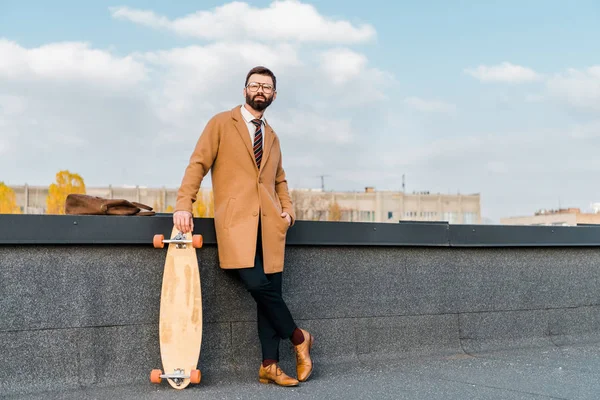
[(259, 105)]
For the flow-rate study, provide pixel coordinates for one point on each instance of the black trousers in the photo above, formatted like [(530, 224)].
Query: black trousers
[(274, 319)]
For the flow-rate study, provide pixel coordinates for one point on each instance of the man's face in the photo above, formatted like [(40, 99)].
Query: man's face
[(259, 97)]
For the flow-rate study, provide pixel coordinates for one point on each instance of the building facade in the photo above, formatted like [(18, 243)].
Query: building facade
[(310, 204), (386, 206), (560, 217)]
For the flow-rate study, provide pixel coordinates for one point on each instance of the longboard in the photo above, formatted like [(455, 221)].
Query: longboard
[(180, 323)]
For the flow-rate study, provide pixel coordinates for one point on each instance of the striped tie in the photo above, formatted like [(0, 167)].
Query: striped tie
[(257, 141)]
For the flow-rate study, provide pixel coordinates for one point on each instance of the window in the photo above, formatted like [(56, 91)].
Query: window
[(429, 215), (470, 218), (390, 214), (451, 217), (367, 215)]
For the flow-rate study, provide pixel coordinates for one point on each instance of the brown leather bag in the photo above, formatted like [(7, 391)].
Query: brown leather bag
[(81, 204)]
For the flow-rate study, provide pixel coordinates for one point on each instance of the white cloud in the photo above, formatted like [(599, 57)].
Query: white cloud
[(68, 62), (211, 61), (142, 17), (68, 104), (83, 122), (197, 81), (313, 127), (342, 65), (505, 72), (434, 106), (11, 107), (580, 88), (288, 20), (347, 81)]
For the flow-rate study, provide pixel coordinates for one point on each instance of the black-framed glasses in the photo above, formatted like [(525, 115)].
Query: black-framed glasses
[(266, 87)]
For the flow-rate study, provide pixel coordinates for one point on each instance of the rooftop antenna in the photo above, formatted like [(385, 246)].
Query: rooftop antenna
[(403, 184), (322, 181)]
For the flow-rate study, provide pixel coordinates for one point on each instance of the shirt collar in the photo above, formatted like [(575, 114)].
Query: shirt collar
[(248, 117)]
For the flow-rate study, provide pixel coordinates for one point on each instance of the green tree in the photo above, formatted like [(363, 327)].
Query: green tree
[(8, 200), (66, 183)]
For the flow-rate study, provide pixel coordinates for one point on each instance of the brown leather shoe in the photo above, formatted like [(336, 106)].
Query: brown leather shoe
[(274, 374), (304, 364)]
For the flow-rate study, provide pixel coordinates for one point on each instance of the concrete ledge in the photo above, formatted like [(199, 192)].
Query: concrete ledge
[(75, 229), (84, 315)]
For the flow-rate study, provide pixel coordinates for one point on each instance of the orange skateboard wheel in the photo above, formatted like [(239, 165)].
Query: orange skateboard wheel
[(196, 241), (158, 241), (195, 376), (155, 376)]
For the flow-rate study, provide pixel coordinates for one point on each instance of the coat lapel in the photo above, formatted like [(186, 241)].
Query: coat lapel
[(242, 129)]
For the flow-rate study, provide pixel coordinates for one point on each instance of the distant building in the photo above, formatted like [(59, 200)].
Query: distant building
[(387, 206), (310, 204), (561, 217)]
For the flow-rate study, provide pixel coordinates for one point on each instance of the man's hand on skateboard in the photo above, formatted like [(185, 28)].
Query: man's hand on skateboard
[(184, 221)]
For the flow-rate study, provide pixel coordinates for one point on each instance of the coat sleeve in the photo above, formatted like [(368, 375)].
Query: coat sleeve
[(281, 187), (201, 161)]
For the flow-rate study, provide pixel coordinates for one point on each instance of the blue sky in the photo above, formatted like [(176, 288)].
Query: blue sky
[(413, 37), (523, 138)]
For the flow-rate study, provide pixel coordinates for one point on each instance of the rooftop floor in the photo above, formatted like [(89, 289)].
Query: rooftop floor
[(571, 372)]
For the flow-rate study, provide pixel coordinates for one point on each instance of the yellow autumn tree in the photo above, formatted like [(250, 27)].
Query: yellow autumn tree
[(202, 208), (199, 208), (335, 212), (8, 200), (170, 209), (66, 183), (211, 205)]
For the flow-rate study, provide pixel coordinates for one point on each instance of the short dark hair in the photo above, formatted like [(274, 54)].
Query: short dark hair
[(260, 70)]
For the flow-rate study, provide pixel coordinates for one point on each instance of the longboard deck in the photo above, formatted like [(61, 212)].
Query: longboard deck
[(180, 326)]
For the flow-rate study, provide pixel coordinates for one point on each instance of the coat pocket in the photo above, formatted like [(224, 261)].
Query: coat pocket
[(283, 223), (229, 211)]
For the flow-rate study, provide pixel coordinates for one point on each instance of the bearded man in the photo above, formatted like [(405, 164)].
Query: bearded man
[(253, 212)]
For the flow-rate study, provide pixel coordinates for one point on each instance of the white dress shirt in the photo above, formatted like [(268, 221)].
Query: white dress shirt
[(248, 117)]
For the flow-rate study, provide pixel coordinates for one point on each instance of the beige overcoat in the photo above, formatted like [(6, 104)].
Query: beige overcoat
[(242, 193)]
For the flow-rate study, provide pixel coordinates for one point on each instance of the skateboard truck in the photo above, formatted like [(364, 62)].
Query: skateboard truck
[(177, 376), (179, 240)]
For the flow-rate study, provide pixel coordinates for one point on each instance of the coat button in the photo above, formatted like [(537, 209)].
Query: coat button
[(259, 180), (255, 213)]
